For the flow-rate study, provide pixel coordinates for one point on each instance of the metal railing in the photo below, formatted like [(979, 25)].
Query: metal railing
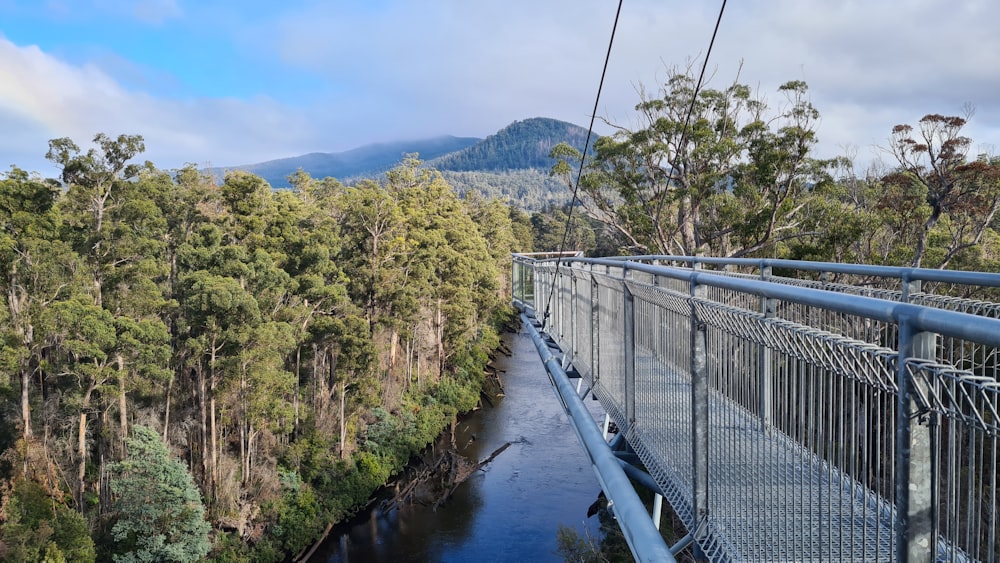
[(786, 420)]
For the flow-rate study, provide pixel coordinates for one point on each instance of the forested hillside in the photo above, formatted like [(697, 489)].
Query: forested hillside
[(367, 161), (531, 189), (521, 145), (512, 164), (195, 368)]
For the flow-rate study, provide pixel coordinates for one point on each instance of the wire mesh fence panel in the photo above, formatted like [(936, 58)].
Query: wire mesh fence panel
[(805, 402)]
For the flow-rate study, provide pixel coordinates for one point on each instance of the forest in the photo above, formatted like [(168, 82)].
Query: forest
[(726, 173), (197, 369)]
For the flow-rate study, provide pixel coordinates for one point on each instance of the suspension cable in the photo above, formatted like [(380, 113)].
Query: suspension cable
[(583, 157), (694, 96), (593, 116)]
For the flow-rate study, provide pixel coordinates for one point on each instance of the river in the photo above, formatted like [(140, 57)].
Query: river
[(509, 511)]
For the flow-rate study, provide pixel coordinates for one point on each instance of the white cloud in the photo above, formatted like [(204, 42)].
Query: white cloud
[(383, 71), (42, 97), (156, 12), (870, 65)]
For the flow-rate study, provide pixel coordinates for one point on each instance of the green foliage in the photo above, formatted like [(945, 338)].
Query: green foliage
[(531, 189), (574, 548), (255, 325), (520, 145), (729, 184), (232, 549), (38, 528), (160, 516), (300, 517)]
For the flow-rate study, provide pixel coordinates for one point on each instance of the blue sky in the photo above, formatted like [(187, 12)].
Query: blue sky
[(226, 83)]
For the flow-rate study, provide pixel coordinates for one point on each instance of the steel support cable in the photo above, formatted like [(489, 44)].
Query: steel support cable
[(583, 158), (694, 96)]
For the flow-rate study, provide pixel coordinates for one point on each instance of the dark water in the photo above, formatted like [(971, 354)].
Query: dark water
[(511, 510)]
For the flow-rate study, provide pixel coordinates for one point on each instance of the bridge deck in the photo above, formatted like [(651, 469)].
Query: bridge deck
[(843, 423)]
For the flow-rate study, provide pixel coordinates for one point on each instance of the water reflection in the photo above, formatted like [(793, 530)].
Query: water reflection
[(511, 510)]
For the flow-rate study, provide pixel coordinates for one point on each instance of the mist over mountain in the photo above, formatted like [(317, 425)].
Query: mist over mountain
[(511, 164), (518, 146), (365, 161)]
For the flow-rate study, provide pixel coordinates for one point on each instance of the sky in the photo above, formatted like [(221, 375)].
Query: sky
[(223, 83)]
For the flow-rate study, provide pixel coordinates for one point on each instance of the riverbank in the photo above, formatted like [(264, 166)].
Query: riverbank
[(509, 510)]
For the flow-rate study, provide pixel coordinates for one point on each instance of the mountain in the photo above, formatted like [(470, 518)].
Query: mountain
[(365, 161), (518, 146), (512, 164)]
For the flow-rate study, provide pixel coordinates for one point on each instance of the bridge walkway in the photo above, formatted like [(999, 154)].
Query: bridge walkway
[(790, 420)]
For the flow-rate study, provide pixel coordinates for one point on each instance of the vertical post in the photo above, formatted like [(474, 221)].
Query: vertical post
[(914, 471), (657, 509), (557, 309), (909, 288), (765, 357), (524, 284), (628, 340), (574, 323), (515, 271), (595, 327), (699, 410)]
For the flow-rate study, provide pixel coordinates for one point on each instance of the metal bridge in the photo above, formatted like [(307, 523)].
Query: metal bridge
[(787, 411)]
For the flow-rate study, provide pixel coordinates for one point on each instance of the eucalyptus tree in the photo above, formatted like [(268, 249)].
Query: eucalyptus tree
[(496, 226), (116, 226), (453, 276), (187, 201), (36, 270), (938, 185), (330, 326), (95, 182), (728, 180), (217, 313), (373, 243), (84, 339)]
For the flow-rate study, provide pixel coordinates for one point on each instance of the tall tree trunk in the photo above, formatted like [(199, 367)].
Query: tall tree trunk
[(81, 470), (244, 429), (103, 479), (393, 346), (214, 441), (409, 362), (343, 420), (686, 222), (122, 406), (26, 433), (16, 303), (166, 411), (918, 252), (206, 469), (298, 378), (439, 333), (243, 455), (319, 391)]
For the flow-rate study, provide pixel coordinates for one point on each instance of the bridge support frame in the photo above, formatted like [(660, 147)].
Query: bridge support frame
[(766, 358), (699, 418), (915, 521)]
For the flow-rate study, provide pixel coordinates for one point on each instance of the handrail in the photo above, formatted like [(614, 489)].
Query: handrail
[(906, 274), (949, 323), (913, 370)]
